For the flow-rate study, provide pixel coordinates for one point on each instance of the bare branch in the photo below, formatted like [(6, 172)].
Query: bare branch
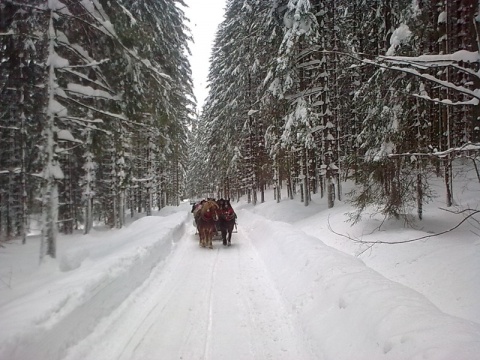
[(409, 240)]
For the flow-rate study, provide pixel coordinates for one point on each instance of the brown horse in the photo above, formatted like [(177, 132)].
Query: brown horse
[(205, 218)]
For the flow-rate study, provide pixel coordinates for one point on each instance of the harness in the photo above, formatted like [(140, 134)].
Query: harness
[(229, 214), (207, 216)]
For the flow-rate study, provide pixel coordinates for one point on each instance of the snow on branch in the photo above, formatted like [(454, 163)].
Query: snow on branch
[(85, 77), (440, 154), (475, 94), (87, 123), (106, 27), (134, 179), (423, 63), (88, 91), (10, 171), (458, 56), (133, 21), (107, 113), (83, 120), (9, 127), (400, 35), (93, 63), (56, 61), (54, 107), (447, 101), (66, 135), (57, 6)]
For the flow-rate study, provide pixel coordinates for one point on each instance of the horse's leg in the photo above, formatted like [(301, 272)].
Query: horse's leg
[(224, 235), (201, 233), (230, 230), (209, 238)]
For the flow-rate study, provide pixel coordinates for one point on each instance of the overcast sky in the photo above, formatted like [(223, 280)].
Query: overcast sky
[(205, 16)]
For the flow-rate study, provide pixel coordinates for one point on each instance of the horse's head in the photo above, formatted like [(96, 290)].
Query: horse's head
[(227, 212), (209, 210)]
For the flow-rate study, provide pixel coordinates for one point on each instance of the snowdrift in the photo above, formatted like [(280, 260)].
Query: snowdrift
[(349, 311), (69, 306)]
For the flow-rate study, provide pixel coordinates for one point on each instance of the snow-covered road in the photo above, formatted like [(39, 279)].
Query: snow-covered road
[(201, 304), (148, 291)]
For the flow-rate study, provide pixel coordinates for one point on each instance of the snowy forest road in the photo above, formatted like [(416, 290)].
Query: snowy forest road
[(149, 292), (201, 304)]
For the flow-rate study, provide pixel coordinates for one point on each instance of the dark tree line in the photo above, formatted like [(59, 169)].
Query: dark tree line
[(309, 93), (94, 108)]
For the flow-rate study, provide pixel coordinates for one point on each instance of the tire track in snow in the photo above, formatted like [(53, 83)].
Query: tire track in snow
[(202, 305), (115, 338), (208, 340), (147, 321), (268, 314), (161, 298), (179, 326)]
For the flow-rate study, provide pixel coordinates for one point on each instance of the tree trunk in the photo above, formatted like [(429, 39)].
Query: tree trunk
[(448, 181), (121, 208), (419, 196), (88, 215), (331, 192), (50, 189)]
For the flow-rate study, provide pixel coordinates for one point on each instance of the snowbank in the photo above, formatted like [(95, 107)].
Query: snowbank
[(348, 310), (88, 282)]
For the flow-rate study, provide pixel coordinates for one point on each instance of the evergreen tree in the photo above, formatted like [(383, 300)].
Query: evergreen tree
[(84, 83)]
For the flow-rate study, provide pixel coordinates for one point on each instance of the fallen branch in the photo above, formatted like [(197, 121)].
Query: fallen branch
[(410, 240)]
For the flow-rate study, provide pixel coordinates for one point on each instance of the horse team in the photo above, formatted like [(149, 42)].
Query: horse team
[(211, 216)]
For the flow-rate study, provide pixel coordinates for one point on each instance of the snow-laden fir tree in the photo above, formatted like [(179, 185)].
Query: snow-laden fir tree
[(90, 74), (236, 137)]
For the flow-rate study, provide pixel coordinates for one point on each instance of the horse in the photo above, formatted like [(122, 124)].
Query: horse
[(226, 220), (205, 218)]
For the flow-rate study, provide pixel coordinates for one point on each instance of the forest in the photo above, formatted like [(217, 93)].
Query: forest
[(98, 120), (383, 93)]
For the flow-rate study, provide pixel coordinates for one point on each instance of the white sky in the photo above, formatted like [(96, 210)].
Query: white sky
[(205, 16)]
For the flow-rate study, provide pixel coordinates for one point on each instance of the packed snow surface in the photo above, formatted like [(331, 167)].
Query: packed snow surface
[(288, 288)]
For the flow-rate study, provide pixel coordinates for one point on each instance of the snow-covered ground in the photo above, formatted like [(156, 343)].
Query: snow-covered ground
[(288, 288)]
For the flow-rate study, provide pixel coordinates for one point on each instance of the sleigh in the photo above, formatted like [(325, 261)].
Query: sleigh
[(217, 236)]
